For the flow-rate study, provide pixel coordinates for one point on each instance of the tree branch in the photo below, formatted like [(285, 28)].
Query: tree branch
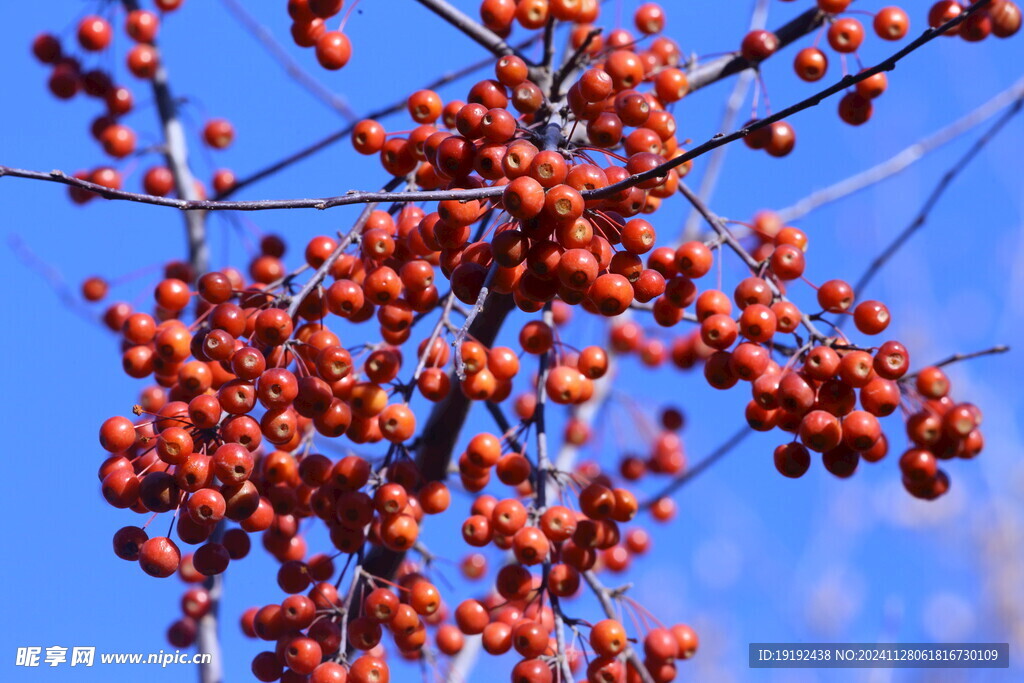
[(603, 596), (889, 251), (176, 154), (207, 635), (958, 357), (572, 63), (473, 29), (254, 205), (695, 471), (321, 272), (702, 75), (736, 99), (498, 415), (337, 136), (292, 67), (903, 159), (723, 232)]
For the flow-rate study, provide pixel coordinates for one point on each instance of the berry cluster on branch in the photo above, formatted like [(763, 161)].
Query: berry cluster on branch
[(538, 193)]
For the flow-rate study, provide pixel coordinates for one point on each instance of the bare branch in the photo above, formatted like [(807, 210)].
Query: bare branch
[(702, 75), (476, 31), (691, 473), (339, 135), (572, 63), (460, 337), (649, 306), (428, 347), (723, 232), (176, 154), (604, 597), (903, 159), (255, 205), (325, 267), (958, 357), (207, 635), (890, 250), (736, 99), (52, 276), (543, 466), (292, 67)]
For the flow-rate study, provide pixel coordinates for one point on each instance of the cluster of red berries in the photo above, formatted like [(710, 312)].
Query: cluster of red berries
[(814, 395), (306, 628), (845, 35), (197, 450), (117, 139), (249, 374), (553, 242), (333, 48)]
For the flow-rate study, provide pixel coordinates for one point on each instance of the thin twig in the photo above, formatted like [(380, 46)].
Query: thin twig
[(325, 267), (428, 348), (337, 136), (460, 336), (53, 277), (890, 250), (603, 596), (573, 63), (736, 99), (473, 29), (549, 45), (256, 205), (176, 157), (503, 424), (719, 226), (702, 75), (540, 423), (903, 159), (292, 67), (587, 414), (846, 82), (958, 357), (176, 154), (693, 472)]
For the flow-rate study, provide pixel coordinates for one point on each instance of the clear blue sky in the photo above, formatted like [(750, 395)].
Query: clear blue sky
[(752, 557)]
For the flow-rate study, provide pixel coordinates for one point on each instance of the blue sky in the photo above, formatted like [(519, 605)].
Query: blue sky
[(751, 557)]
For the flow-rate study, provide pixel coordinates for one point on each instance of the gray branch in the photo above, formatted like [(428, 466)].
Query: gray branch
[(287, 62), (904, 159)]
